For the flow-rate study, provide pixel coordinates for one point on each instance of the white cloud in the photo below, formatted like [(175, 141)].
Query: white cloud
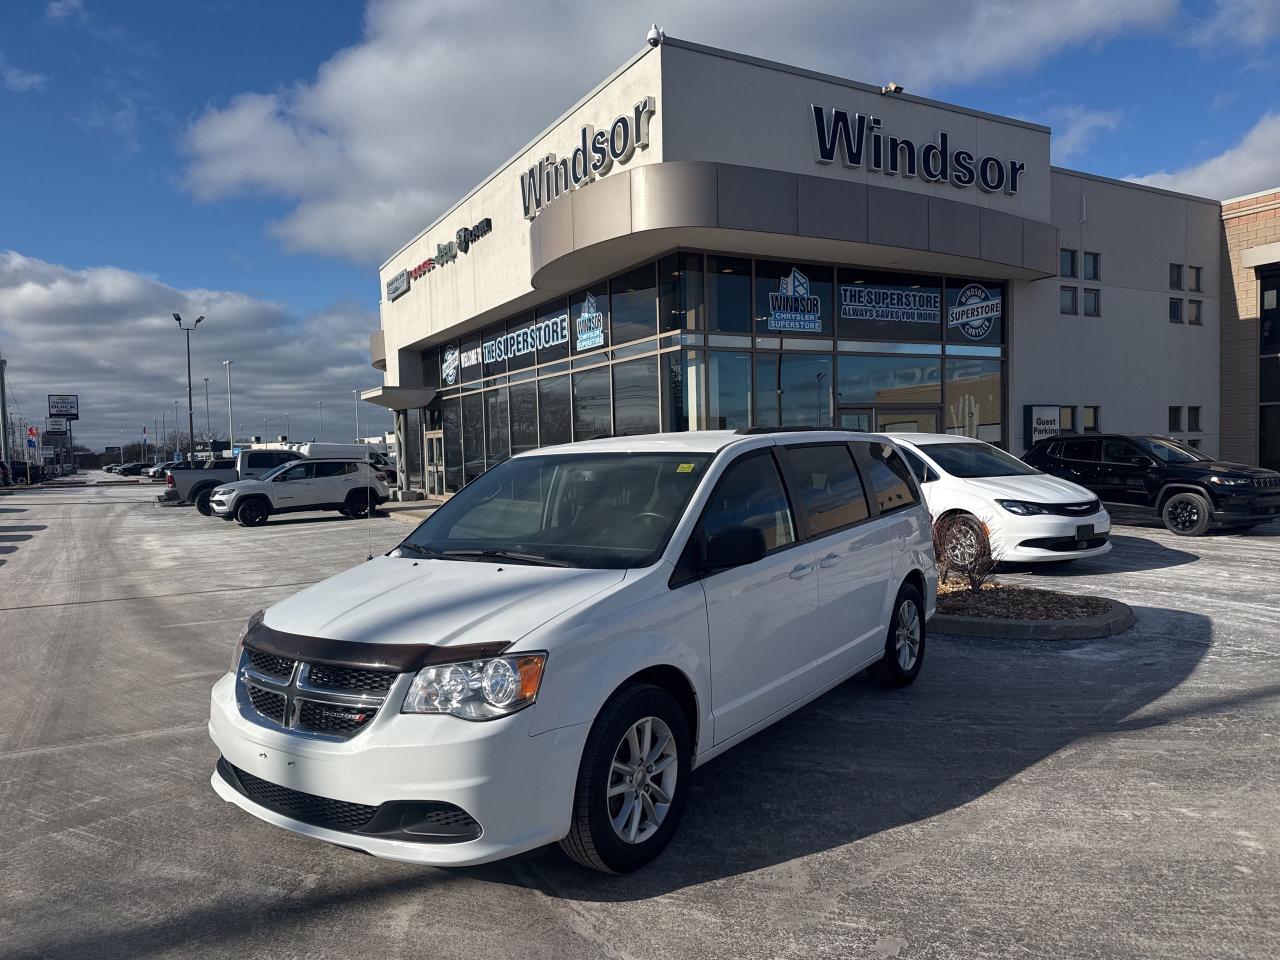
[(108, 335), (59, 11), (1075, 128), (393, 129), (1251, 165), (1242, 23), (19, 81)]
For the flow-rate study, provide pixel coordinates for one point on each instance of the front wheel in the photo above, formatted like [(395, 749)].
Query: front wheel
[(1186, 514), (904, 646), (202, 503), (251, 513), (632, 783)]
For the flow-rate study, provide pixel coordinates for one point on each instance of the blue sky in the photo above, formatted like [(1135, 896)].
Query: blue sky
[(270, 154)]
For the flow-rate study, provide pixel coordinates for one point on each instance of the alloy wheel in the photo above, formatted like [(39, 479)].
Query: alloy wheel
[(907, 636), (962, 546), (1184, 515), (642, 780)]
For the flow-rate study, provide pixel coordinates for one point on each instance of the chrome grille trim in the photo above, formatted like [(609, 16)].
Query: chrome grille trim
[(254, 687)]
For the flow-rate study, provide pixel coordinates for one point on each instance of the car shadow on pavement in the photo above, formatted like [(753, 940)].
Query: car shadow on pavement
[(1128, 555), (861, 761)]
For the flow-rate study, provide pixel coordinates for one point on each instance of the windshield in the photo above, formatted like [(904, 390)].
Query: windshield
[(1171, 452), (972, 460), (599, 510), (275, 470)]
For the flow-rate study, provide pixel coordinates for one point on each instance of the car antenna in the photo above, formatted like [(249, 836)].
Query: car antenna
[(368, 512)]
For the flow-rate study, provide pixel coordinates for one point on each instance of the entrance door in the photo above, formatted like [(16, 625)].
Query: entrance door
[(433, 462), (906, 421)]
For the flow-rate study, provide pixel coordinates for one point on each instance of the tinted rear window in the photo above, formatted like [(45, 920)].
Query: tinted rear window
[(827, 487), (889, 478)]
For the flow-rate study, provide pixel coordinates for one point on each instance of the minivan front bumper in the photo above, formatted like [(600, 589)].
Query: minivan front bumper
[(383, 790)]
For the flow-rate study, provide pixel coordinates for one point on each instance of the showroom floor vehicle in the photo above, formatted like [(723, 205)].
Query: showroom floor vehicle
[(1186, 489), (354, 488), (549, 654), (1000, 508)]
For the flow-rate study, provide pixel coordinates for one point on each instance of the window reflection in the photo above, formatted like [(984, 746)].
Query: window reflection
[(973, 399)]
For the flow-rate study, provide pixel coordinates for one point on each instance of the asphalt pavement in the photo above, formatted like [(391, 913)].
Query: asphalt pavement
[(1114, 798)]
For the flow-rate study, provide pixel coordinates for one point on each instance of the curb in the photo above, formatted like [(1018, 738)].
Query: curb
[(1117, 619)]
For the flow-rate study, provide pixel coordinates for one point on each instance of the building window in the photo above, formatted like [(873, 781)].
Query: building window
[(1066, 419), (973, 400), (728, 295), (589, 319), (1067, 263), (1091, 419), (804, 390), (591, 404), (1092, 302), (635, 397), (452, 426), (873, 305), (633, 304), (556, 310), (1092, 266), (472, 436), (524, 417), (728, 390), (1194, 279), (497, 439), (1175, 276), (1193, 312), (680, 292), (1175, 419), (1193, 419), (1175, 310), (883, 380), (555, 418), (1067, 300)]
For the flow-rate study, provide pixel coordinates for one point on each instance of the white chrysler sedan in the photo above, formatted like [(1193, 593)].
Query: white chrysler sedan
[(549, 655), (1005, 508)]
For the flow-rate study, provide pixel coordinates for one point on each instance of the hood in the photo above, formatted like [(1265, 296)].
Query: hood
[(442, 602), (238, 484), (1225, 466), (1037, 488)]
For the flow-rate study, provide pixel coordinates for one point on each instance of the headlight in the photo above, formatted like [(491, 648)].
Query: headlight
[(1022, 508), (221, 493), (1232, 481), (244, 632), (477, 689)]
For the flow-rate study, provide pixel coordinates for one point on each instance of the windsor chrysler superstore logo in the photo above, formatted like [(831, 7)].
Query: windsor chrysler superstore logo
[(793, 307), (859, 141)]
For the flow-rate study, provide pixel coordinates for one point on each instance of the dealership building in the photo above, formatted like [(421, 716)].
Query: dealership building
[(712, 241)]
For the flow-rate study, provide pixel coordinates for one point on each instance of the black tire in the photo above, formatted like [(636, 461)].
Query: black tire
[(966, 545), (252, 513), (592, 840), (890, 670), (358, 505), (202, 503), (1186, 514)]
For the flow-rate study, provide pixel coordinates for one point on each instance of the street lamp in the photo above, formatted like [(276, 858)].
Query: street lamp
[(231, 433), (355, 398), (320, 407), (264, 429), (191, 422)]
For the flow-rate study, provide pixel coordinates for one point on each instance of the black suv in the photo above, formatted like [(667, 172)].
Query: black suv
[(1186, 489)]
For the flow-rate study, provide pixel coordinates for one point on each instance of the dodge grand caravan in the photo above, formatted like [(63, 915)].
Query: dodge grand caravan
[(549, 655)]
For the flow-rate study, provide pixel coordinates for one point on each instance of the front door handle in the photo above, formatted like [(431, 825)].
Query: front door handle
[(830, 560), (800, 570)]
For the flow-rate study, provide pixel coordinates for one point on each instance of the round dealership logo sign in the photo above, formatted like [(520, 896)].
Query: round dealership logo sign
[(975, 311), (449, 368)]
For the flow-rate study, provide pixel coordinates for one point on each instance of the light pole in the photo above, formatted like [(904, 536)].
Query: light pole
[(286, 425), (355, 399), (175, 429), (264, 429), (208, 428), (191, 422), (320, 407), (160, 438), (231, 433)]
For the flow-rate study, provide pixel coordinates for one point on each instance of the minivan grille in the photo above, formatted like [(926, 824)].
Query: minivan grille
[(314, 698)]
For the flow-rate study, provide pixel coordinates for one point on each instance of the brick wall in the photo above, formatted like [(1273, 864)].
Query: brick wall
[(1246, 223)]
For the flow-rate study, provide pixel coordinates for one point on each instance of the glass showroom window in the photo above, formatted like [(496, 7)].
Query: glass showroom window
[(472, 368), (495, 367), (497, 438), (524, 417), (1092, 266), (591, 404), (728, 294), (974, 312), (635, 397), (452, 425), (555, 310), (1067, 263), (472, 436), (680, 292), (804, 390), (768, 408), (974, 399), (413, 447), (793, 299), (872, 305), (889, 380), (681, 390), (555, 417), (728, 390), (1067, 300), (633, 304)]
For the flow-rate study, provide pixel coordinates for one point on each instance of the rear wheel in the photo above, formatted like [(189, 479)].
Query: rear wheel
[(252, 513), (904, 646), (202, 503), (632, 783), (359, 504), (1186, 514)]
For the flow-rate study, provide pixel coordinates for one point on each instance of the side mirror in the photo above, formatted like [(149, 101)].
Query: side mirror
[(733, 547)]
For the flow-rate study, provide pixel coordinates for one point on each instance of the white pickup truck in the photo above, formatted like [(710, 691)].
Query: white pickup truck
[(195, 486)]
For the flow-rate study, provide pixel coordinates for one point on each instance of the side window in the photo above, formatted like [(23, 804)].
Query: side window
[(257, 460), (750, 494), (889, 478), (284, 456), (1120, 451), (917, 465), (827, 487), (1079, 450), (301, 472), (326, 470)]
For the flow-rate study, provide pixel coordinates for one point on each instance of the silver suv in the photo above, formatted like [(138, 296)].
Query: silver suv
[(351, 487)]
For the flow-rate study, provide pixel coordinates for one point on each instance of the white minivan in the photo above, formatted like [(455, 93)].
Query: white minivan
[(549, 655)]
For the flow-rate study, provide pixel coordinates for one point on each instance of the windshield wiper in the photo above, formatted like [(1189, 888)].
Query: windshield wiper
[(491, 554), (418, 549)]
